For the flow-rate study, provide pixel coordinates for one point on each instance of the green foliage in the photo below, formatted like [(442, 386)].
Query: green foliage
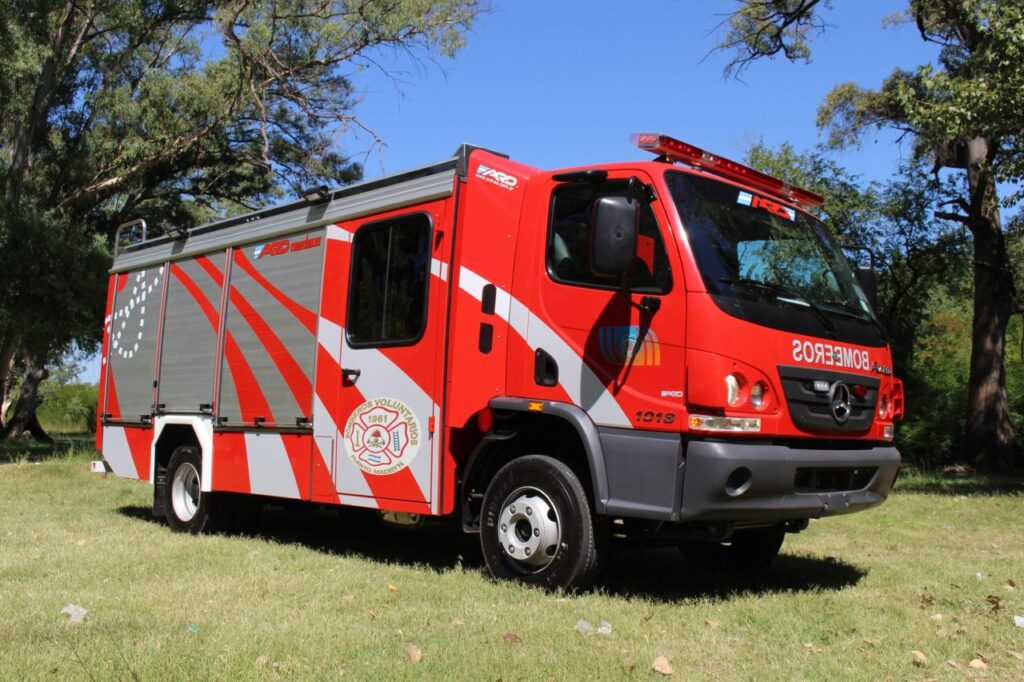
[(765, 28), (964, 112), (925, 294), (935, 428), (68, 407), (173, 111)]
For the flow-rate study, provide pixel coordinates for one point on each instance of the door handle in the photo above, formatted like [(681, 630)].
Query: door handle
[(351, 374)]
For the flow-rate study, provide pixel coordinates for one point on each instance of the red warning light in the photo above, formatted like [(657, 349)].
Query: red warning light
[(677, 150)]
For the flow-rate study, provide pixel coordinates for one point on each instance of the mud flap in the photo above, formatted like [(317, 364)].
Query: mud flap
[(159, 492)]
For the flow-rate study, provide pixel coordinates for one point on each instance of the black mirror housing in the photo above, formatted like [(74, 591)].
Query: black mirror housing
[(614, 225), (868, 281)]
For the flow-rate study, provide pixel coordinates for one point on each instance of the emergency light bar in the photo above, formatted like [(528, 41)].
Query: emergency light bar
[(675, 150)]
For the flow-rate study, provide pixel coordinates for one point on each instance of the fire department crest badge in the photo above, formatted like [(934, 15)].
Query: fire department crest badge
[(382, 436)]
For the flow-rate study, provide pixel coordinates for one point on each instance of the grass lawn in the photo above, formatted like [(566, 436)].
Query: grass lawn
[(938, 569)]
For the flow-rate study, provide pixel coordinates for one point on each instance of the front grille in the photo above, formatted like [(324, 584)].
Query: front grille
[(833, 479), (812, 411)]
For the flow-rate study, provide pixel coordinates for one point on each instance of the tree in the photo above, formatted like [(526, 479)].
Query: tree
[(174, 111), (966, 115), (915, 251)]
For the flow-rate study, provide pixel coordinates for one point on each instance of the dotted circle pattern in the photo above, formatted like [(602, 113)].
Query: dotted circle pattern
[(123, 342)]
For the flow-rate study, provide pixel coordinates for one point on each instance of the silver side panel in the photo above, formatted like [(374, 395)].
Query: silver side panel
[(414, 191), (272, 306), (133, 330), (189, 348)]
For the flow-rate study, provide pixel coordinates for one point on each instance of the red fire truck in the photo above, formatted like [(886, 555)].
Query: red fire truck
[(670, 350)]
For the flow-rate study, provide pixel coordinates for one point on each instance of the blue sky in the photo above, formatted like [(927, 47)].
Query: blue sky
[(564, 83), (558, 84)]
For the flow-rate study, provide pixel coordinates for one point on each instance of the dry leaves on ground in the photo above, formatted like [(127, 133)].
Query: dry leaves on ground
[(662, 666)]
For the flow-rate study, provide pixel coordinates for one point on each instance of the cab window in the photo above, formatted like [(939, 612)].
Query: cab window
[(389, 281), (568, 245)]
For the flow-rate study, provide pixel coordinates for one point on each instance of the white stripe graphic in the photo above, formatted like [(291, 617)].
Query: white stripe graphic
[(270, 471), (329, 337), (574, 376), (352, 500), (117, 453), (439, 269), (338, 234)]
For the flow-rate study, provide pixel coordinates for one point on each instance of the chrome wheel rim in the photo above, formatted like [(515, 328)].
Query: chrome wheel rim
[(529, 530), (185, 492)]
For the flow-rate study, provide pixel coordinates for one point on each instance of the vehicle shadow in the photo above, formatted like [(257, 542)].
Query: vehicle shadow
[(661, 575), (658, 574), (25, 449)]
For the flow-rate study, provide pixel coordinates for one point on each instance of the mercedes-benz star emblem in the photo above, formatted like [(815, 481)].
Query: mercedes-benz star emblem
[(839, 401)]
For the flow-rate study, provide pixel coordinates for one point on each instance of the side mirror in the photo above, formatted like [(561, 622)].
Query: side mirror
[(614, 225), (868, 281)]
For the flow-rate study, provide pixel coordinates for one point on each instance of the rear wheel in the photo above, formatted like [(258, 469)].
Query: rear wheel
[(188, 508), (537, 526), (748, 550)]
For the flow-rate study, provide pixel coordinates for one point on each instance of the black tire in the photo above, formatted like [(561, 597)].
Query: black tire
[(188, 508), (537, 526), (748, 551)]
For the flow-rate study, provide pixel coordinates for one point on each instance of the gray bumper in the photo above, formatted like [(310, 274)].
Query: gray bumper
[(783, 482), (660, 477)]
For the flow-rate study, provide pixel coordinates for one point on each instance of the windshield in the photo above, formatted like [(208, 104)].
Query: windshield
[(753, 248)]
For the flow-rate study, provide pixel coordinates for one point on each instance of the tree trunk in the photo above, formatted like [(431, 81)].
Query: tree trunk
[(990, 437), (20, 155), (24, 417), (6, 363)]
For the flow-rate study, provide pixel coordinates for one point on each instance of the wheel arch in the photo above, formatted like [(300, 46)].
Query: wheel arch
[(560, 430), (171, 432)]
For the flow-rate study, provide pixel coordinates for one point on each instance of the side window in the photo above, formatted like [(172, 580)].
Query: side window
[(387, 303), (569, 240)]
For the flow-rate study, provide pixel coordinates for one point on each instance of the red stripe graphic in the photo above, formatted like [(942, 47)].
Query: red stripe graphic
[(290, 370), (300, 453), (300, 386), (251, 401), (113, 405), (334, 293), (230, 466), (302, 314), (139, 442)]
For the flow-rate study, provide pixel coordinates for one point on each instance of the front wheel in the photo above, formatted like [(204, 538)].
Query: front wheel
[(537, 526), (188, 508)]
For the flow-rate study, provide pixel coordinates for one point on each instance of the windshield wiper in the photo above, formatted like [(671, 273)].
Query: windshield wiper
[(860, 313), (790, 295)]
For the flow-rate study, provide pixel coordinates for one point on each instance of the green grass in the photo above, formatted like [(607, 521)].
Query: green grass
[(320, 595)]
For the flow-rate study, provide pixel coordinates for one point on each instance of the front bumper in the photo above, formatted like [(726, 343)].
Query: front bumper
[(753, 482), (658, 476)]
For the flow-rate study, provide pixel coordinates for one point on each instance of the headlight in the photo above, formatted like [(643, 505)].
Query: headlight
[(757, 394), (732, 390)]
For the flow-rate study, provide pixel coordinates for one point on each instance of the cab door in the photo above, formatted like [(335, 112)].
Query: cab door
[(628, 341), (386, 453)]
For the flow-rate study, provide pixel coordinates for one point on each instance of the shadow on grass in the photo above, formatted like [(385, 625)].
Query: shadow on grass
[(659, 574), (28, 450)]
